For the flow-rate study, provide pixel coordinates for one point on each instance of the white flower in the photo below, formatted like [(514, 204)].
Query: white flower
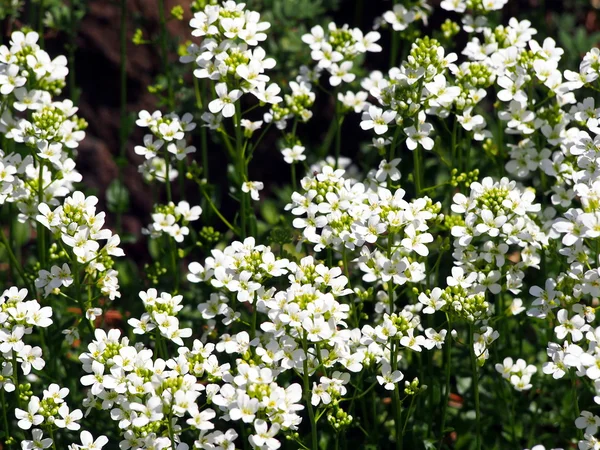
[(388, 379), (68, 419), (253, 187), (432, 302), (588, 421), (294, 154), (264, 436), (573, 326), (341, 73), (400, 17), (416, 241), (419, 136), (245, 408), (29, 418), (38, 441), (225, 103), (413, 342), (388, 169), (377, 119), (10, 79), (88, 442)]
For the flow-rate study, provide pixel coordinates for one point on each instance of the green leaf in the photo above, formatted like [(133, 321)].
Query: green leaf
[(270, 212), (117, 197), (21, 233)]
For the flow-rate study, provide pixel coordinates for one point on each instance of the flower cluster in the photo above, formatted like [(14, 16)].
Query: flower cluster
[(400, 17), (168, 131), (80, 229), (28, 81), (517, 373), (161, 314), (173, 220), (373, 281), (49, 413), (335, 50), (229, 31), (17, 319)]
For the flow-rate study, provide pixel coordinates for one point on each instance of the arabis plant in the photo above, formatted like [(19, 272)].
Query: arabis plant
[(435, 291)]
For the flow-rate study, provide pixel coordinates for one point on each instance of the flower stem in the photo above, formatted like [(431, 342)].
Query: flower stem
[(218, 213), (201, 93), (164, 54), (241, 168), (4, 410), (447, 364), (339, 120), (41, 231), (475, 371), (13, 260), (307, 396), (396, 403), (418, 169), (294, 176), (16, 377), (123, 100)]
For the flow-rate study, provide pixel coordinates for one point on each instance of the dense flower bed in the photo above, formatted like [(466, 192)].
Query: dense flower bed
[(442, 298)]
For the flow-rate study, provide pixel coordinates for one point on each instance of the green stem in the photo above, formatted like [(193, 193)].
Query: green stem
[(168, 177), (307, 396), (4, 410), (173, 252), (218, 213), (408, 413), (41, 230), (398, 418), (80, 301), (52, 437), (417, 155), (394, 49), (170, 427), (294, 186), (201, 93), (347, 273), (254, 317), (71, 49), (475, 371), (13, 260), (123, 100), (16, 377), (40, 23), (241, 168), (576, 409), (164, 54), (390, 284), (447, 364), (339, 120)]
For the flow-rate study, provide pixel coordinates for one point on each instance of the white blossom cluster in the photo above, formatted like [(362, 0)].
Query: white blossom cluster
[(498, 217), (272, 320), (17, 319), (334, 50), (168, 134), (28, 81), (230, 54), (162, 315), (51, 412), (80, 229), (307, 324), (400, 16), (172, 220), (518, 373), (147, 396), (297, 104)]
